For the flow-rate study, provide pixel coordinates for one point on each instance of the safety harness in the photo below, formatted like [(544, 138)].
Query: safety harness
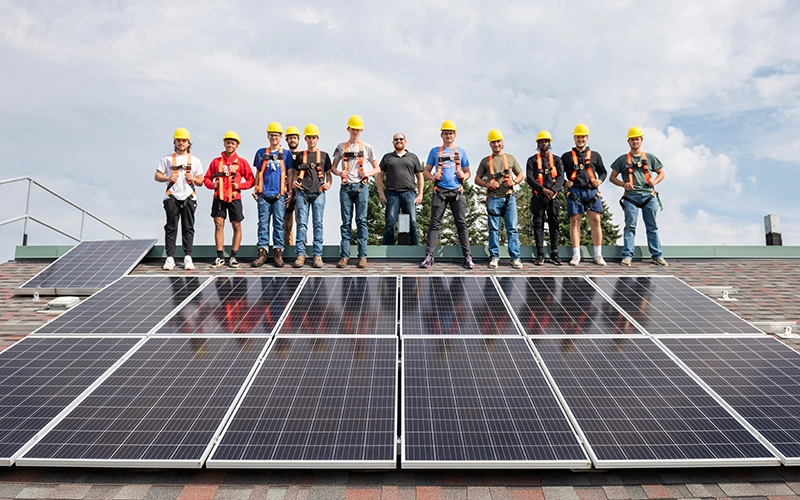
[(347, 156), (271, 156), (644, 165), (586, 165), (226, 176), (506, 176), (440, 168), (305, 166), (187, 168), (540, 170)]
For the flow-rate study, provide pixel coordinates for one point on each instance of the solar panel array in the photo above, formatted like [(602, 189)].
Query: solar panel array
[(88, 267)]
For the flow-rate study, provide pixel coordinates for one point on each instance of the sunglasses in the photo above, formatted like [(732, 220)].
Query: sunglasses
[(398, 139)]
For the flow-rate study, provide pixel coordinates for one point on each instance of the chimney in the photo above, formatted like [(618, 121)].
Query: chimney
[(772, 226)]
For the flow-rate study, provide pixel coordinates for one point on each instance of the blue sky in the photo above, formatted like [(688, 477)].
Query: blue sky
[(93, 90)]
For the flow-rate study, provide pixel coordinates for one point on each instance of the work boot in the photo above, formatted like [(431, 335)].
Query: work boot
[(494, 262), (554, 258), (279, 258), (468, 264), (233, 262), (261, 258), (169, 264), (626, 262), (599, 260), (342, 262), (362, 262), (300, 261), (428, 262), (218, 262), (188, 264), (659, 261), (318, 261)]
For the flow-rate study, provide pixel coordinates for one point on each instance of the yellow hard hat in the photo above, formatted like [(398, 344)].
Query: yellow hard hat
[(274, 127), (449, 125), (292, 131), (494, 135), (232, 135), (181, 133), (355, 122), (635, 132), (311, 129), (581, 129), (544, 135)]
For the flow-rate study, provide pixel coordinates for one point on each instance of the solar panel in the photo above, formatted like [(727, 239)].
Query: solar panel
[(132, 305), (637, 408), (344, 305), (666, 305), (235, 304), (481, 402), (161, 408), (88, 267), (40, 377), (326, 402), (758, 377), (562, 306), (454, 305)]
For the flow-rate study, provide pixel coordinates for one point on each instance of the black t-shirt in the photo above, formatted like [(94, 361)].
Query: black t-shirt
[(532, 173), (400, 172), (311, 181), (582, 180)]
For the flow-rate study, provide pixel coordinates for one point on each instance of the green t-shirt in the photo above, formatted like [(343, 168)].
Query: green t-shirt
[(653, 164), (483, 173)]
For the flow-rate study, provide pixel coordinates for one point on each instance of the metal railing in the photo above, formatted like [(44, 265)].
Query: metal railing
[(28, 216)]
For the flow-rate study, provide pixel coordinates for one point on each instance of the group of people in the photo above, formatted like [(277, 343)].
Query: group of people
[(288, 183)]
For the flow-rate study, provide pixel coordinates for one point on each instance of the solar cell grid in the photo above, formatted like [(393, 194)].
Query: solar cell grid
[(317, 401), (161, 407), (475, 402), (344, 305), (454, 305), (563, 306), (666, 305), (638, 407), (235, 304), (131, 305)]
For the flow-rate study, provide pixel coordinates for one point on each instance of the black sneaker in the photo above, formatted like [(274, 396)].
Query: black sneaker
[(538, 261), (555, 259), (468, 264), (428, 262), (233, 262)]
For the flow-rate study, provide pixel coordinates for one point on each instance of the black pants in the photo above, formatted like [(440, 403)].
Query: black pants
[(538, 210), (458, 205), (184, 211)]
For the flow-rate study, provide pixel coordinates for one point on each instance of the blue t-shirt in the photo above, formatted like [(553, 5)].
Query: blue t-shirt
[(272, 173), (449, 179)]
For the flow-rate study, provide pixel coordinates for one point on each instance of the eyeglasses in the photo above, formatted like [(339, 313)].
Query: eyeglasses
[(398, 139)]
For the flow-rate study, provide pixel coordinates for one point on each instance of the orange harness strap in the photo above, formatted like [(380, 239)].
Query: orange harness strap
[(231, 174), (269, 155), (587, 166), (644, 166), (506, 175), (456, 157), (553, 171), (347, 156), (188, 166), (320, 174)]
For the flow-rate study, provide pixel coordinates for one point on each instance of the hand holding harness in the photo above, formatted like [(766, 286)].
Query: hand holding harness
[(644, 166), (506, 175), (187, 168), (271, 156), (540, 170), (589, 170)]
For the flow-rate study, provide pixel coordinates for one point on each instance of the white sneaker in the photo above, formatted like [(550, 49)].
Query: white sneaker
[(494, 262), (626, 262), (599, 260), (575, 260), (169, 264), (188, 264), (516, 264)]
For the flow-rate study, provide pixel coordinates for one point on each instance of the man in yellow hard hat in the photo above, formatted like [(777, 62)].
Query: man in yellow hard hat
[(311, 178), (228, 175), (639, 184), (447, 167), (400, 185), (499, 173), (182, 171), (293, 143), (545, 175), (272, 165), (354, 191), (585, 172)]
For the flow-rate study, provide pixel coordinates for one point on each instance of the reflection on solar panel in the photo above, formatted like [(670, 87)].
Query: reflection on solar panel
[(758, 377), (346, 305), (235, 304), (162, 407), (454, 305), (39, 377), (132, 305), (317, 402), (667, 305), (637, 407), (88, 267), (562, 306), (481, 402)]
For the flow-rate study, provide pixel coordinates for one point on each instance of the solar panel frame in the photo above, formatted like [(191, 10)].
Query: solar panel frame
[(555, 408), (52, 285), (250, 402)]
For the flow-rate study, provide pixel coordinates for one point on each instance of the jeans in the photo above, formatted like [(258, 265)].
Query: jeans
[(318, 208), (346, 206), (395, 201), (649, 216), (494, 205), (276, 211)]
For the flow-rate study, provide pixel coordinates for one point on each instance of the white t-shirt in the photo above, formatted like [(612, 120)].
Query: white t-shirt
[(181, 189), (352, 167)]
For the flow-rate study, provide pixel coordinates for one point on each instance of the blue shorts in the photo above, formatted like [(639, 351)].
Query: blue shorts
[(584, 195)]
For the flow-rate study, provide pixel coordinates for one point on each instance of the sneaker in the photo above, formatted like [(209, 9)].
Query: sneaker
[(342, 262), (362, 263), (575, 260), (218, 262), (169, 264), (626, 262), (599, 260), (494, 262), (539, 260), (555, 259), (428, 262), (261, 259), (659, 261), (233, 262), (468, 264), (299, 261), (317, 261), (516, 264), (188, 264)]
